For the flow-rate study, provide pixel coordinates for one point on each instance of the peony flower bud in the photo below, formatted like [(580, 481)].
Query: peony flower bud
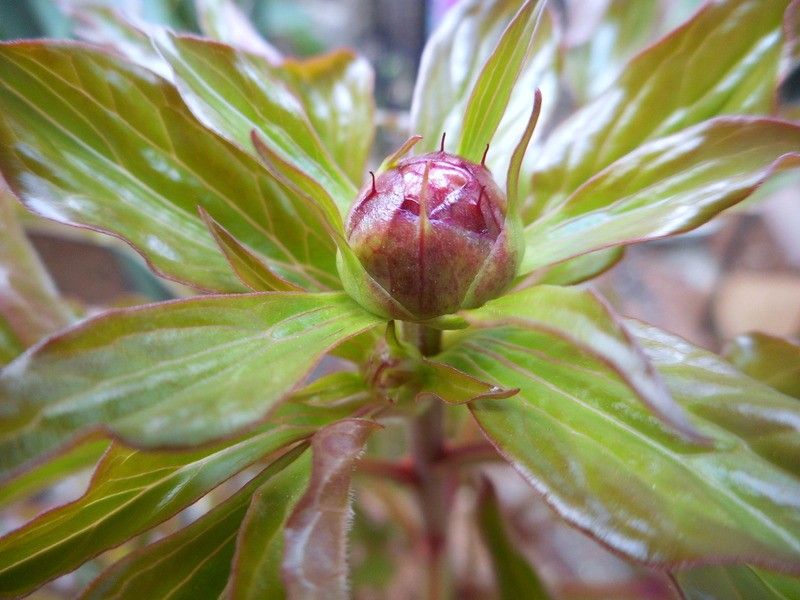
[(431, 231)]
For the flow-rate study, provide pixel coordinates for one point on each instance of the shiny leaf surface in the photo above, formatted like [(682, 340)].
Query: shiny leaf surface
[(337, 92), (171, 374), (454, 387), (583, 319), (134, 162), (30, 306), (235, 93), (195, 562), (773, 360), (713, 389), (256, 566), (722, 61), (581, 439), (666, 186), (315, 537), (131, 491), (225, 21), (575, 270), (514, 575)]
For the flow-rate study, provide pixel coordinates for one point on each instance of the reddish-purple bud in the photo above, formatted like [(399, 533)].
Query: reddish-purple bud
[(431, 231)]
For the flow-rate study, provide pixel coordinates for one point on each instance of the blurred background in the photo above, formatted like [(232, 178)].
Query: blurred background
[(737, 274)]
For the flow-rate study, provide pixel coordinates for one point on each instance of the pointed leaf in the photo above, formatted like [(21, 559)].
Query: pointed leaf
[(666, 186), (773, 360), (131, 491), (513, 573), (724, 60), (172, 374), (235, 93), (196, 561), (713, 389), (134, 162), (451, 64), (337, 92), (252, 270), (742, 582), (580, 438), (454, 387), (582, 318), (223, 20), (30, 305), (492, 89), (315, 538), (575, 270), (256, 566)]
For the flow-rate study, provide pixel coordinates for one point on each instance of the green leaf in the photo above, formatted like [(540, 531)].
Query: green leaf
[(740, 582), (30, 306), (252, 270), (583, 319), (773, 360), (666, 186), (195, 562), (490, 94), (84, 455), (595, 63), (319, 523), (452, 63), (581, 439), (256, 565), (131, 491), (454, 387), (768, 420), (337, 92), (105, 26), (223, 20), (90, 140), (724, 60), (172, 374), (513, 573), (575, 270), (235, 93)]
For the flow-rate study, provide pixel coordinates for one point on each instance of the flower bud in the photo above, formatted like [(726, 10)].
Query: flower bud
[(432, 232)]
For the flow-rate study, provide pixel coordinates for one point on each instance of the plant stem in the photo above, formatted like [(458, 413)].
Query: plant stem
[(427, 443)]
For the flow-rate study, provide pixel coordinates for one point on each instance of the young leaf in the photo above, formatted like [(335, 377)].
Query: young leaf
[(666, 186), (450, 385), (234, 94), (453, 60), (723, 583), (256, 566), (253, 271), (131, 491), (514, 575), (172, 374), (196, 561), (30, 306), (90, 140), (580, 438), (773, 360), (492, 89), (337, 92), (724, 60), (581, 318), (575, 270), (315, 538), (223, 20)]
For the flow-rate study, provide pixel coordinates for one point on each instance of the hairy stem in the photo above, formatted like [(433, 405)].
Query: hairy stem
[(427, 443)]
